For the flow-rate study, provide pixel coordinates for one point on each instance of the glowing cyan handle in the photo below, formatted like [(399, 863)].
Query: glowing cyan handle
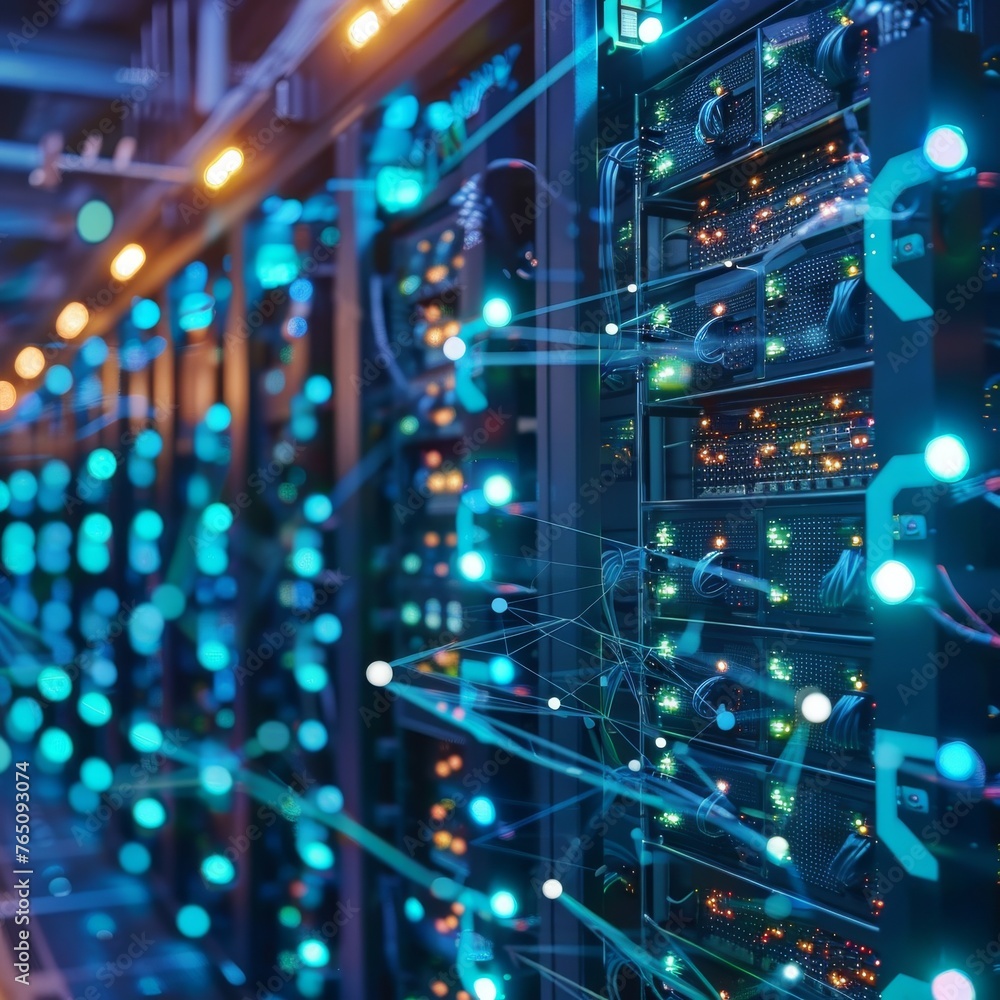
[(908, 170)]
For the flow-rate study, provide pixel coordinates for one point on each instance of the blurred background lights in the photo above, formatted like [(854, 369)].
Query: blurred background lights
[(149, 814), (146, 737), (497, 312), (317, 855), (218, 870), (482, 810), (59, 380), (327, 628), (134, 858), (215, 779), (222, 168), (54, 684), (311, 677), (330, 799), (498, 490), (56, 745), (413, 910), (454, 348), (317, 508), (72, 321), (96, 774), (94, 708), (947, 458), (218, 417), (503, 904), (128, 262), (94, 221), (472, 566), (314, 953), (29, 363), (193, 921), (502, 670), (485, 988), (145, 314), (101, 463), (893, 582), (8, 396)]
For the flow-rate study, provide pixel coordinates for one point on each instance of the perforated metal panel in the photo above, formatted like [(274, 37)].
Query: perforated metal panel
[(673, 148)]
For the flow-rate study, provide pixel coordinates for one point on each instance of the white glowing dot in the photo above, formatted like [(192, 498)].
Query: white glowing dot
[(633, 287), (635, 765), (555, 704), (792, 972), (454, 348), (661, 742), (552, 888), (777, 848), (379, 673), (816, 707), (611, 328)]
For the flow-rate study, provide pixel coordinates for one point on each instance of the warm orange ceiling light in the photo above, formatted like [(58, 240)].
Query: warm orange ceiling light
[(30, 363), (126, 265), (72, 321), (8, 396)]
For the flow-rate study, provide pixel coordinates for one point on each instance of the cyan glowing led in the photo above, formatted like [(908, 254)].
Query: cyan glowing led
[(957, 761), (134, 858), (482, 810), (413, 909), (149, 814), (650, 29), (791, 972), (947, 458), (96, 774), (217, 869), (94, 708), (193, 921), (472, 565), (215, 779), (56, 745), (498, 490), (317, 855), (101, 463), (54, 684), (502, 670), (945, 148), (893, 582), (497, 312), (485, 988), (314, 953)]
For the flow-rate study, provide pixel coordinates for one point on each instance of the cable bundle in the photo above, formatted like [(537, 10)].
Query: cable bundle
[(847, 866), (843, 321), (711, 125), (845, 725), (837, 55), (709, 354), (842, 584), (706, 583)]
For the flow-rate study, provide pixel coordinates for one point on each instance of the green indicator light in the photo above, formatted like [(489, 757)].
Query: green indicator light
[(771, 56), (663, 163), (777, 595), (660, 316), (772, 114), (780, 728), (774, 287), (667, 765), (671, 819), (774, 347), (779, 669), (778, 536)]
